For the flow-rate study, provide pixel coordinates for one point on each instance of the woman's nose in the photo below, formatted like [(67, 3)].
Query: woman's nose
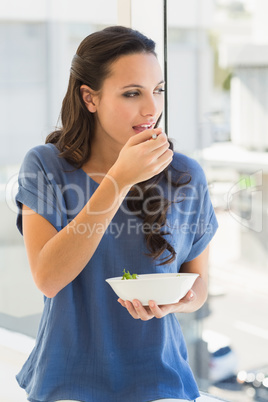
[(149, 106)]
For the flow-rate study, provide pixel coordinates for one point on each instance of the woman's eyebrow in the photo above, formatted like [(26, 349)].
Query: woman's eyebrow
[(140, 86)]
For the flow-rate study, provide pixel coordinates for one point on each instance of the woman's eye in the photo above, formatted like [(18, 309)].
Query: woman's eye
[(159, 91), (131, 94)]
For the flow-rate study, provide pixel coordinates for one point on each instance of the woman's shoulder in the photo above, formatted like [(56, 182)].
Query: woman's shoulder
[(186, 165), (46, 155), (43, 151)]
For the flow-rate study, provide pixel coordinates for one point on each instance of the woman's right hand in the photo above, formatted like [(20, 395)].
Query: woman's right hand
[(140, 159)]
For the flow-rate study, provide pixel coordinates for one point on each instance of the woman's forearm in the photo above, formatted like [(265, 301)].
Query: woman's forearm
[(65, 255), (199, 296)]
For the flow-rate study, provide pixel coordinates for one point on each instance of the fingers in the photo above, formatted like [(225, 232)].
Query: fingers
[(159, 148), (153, 157), (164, 160), (121, 302), (157, 311), (144, 313), (161, 155), (137, 310), (145, 136)]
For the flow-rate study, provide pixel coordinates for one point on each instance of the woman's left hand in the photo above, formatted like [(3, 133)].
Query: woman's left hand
[(145, 313), (193, 300)]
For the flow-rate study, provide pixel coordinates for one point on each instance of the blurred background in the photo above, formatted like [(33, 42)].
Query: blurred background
[(216, 58)]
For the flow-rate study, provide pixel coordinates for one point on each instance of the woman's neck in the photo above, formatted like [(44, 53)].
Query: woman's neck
[(102, 158)]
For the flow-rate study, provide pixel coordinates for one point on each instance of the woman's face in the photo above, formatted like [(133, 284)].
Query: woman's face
[(131, 99)]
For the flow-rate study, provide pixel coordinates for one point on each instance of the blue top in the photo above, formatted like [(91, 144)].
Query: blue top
[(88, 347)]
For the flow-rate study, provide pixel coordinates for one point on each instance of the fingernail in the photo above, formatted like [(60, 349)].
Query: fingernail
[(191, 295), (135, 304), (151, 304)]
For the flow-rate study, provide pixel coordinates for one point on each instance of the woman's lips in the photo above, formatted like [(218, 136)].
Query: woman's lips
[(142, 127)]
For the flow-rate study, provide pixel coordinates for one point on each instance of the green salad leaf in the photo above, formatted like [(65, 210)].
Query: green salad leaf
[(127, 275)]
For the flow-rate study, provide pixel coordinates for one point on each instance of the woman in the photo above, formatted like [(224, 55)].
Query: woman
[(106, 192)]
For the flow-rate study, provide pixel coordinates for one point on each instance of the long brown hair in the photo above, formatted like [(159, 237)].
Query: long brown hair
[(91, 66)]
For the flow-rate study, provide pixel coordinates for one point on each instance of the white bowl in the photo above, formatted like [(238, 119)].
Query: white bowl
[(162, 288)]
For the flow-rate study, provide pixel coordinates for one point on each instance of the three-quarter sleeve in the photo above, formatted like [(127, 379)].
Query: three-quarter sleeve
[(37, 190)]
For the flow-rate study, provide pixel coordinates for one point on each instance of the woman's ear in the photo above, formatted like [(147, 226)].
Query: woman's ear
[(88, 97)]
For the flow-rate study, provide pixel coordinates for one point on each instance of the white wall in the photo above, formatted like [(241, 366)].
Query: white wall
[(97, 12), (190, 13), (260, 26)]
